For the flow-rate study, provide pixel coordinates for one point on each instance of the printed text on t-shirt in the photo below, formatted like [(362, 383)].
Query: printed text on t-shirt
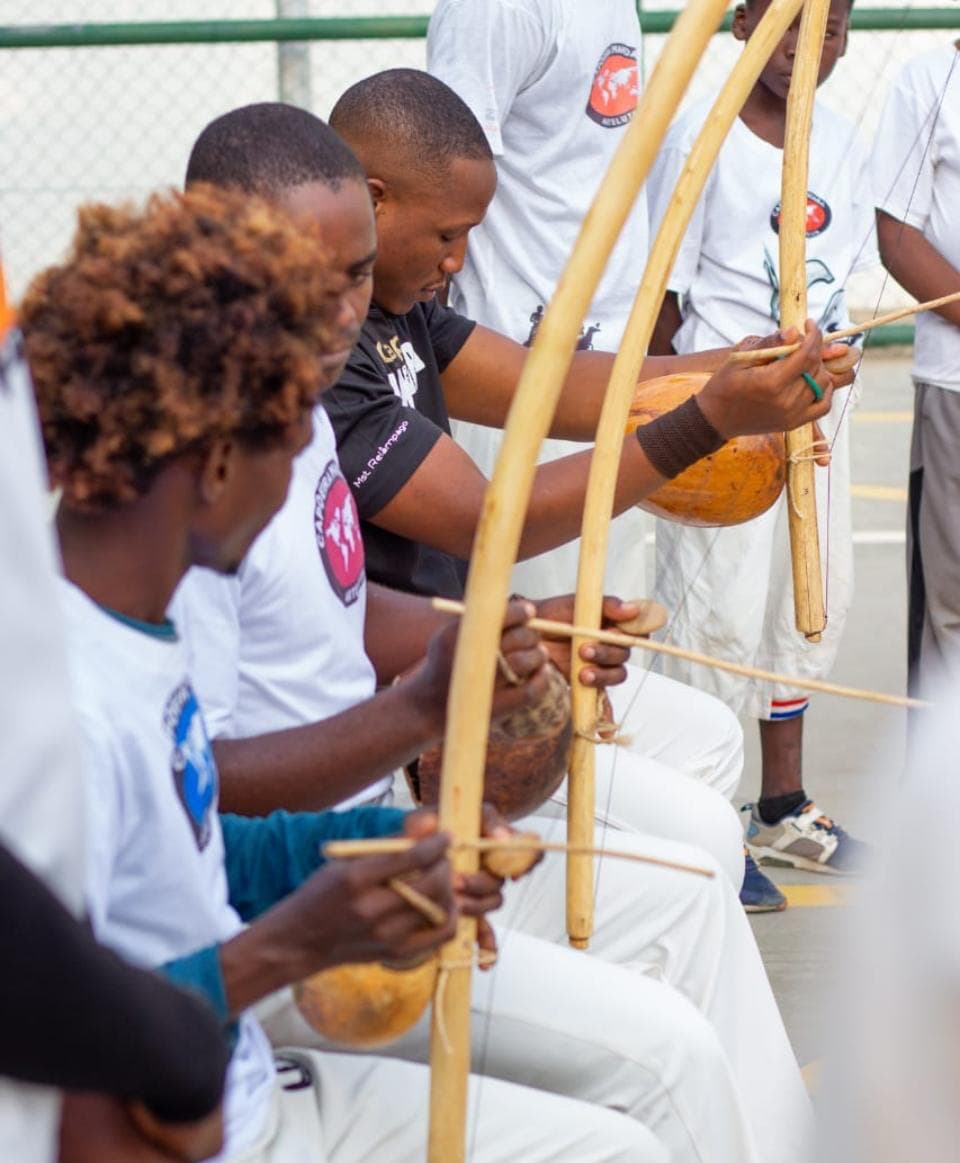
[(403, 380), (378, 456)]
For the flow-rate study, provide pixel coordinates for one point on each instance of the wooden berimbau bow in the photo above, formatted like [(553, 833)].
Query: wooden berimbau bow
[(598, 507), (498, 538), (808, 598)]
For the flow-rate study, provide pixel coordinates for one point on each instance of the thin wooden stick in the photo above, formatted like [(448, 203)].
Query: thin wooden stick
[(416, 900), (498, 537), (555, 629), (767, 354), (392, 845), (808, 602), (598, 505)]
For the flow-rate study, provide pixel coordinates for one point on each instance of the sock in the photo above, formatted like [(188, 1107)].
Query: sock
[(770, 809)]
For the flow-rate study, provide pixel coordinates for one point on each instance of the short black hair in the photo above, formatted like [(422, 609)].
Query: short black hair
[(270, 147), (417, 113)]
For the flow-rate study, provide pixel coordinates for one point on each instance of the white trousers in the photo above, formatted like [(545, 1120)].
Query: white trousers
[(682, 757), (730, 591), (342, 1108), (671, 1020)]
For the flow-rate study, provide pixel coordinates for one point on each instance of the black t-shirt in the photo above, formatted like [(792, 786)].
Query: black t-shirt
[(388, 412)]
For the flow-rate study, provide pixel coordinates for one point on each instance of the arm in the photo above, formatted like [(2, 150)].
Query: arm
[(916, 264), (397, 630), (480, 381), (667, 324), (321, 764), (904, 164), (440, 503), (75, 1016)]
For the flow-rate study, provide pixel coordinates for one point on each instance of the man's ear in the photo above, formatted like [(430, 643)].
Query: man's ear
[(740, 22), (216, 469), (378, 192)]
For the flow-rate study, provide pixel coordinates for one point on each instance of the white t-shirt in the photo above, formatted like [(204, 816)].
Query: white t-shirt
[(554, 84), (916, 179), (281, 644), (156, 887), (41, 808), (727, 268)]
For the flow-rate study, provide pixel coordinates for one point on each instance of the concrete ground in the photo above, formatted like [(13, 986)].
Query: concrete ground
[(851, 749)]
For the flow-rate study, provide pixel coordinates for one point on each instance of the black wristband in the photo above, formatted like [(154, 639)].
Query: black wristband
[(678, 439)]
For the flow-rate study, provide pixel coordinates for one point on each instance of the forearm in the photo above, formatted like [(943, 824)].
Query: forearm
[(555, 513), (319, 765), (397, 630), (115, 1029), (584, 390), (917, 265), (667, 325)]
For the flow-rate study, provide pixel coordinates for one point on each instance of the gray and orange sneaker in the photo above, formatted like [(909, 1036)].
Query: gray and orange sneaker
[(804, 838)]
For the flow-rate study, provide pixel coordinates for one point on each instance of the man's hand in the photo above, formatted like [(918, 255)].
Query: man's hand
[(521, 676), (743, 400), (606, 665), (95, 1128), (346, 912), (840, 359)]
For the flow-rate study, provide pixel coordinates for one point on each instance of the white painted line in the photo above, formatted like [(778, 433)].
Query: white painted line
[(880, 537)]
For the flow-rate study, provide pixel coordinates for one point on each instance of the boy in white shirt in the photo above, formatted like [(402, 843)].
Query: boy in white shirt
[(554, 84), (916, 181), (178, 354), (731, 588)]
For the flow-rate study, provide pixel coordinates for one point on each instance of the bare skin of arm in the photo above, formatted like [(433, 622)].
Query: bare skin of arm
[(440, 504), (319, 765), (667, 325), (479, 384), (917, 265)]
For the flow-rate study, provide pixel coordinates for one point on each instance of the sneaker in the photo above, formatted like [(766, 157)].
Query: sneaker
[(759, 894), (804, 838)]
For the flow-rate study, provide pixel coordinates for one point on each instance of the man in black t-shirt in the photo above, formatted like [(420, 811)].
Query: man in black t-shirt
[(432, 176)]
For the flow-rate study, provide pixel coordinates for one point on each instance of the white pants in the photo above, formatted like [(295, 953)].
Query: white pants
[(703, 1061), (667, 779), (730, 592), (347, 1109)]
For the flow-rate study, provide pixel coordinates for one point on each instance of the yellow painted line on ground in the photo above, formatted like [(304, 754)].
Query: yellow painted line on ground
[(901, 417), (816, 896), (878, 492)]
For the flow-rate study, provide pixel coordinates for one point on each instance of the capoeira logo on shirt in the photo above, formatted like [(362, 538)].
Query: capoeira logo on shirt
[(337, 526), (615, 88), (193, 766), (403, 379), (819, 216), (817, 272)]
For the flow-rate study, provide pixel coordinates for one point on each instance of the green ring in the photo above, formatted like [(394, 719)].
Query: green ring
[(813, 386)]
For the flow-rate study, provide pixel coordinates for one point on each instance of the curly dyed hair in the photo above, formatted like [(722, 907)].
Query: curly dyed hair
[(200, 316)]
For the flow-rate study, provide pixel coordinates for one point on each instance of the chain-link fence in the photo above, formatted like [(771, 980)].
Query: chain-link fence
[(104, 122)]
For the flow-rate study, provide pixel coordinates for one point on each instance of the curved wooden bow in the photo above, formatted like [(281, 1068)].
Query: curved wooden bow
[(498, 538), (801, 488), (601, 487)]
